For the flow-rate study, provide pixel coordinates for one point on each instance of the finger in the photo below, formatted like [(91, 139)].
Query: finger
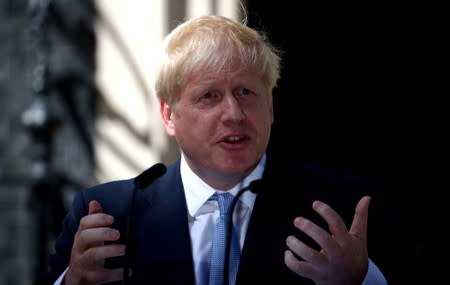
[(96, 236), (96, 220), (303, 251), (335, 222), (319, 235), (360, 219), (95, 217), (94, 258), (301, 268), (115, 275), (95, 207), (103, 276)]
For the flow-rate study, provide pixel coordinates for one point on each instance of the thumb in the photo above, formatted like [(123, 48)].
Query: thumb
[(359, 223), (95, 207)]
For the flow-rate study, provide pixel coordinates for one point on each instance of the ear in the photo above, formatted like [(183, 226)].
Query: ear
[(167, 116)]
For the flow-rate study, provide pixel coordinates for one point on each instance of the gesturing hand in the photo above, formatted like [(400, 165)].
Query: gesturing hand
[(89, 249), (343, 258)]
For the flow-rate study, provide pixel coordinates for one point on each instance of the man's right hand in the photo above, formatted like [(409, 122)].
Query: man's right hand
[(89, 249)]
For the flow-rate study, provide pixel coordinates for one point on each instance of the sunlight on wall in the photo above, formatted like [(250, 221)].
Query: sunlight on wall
[(130, 134)]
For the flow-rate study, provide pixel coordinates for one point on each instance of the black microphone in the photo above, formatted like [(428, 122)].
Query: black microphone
[(149, 175), (141, 181), (255, 187)]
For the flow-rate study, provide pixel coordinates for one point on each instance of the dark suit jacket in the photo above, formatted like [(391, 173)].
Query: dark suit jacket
[(163, 250)]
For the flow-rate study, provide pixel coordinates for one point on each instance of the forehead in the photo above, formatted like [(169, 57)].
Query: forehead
[(225, 69), (242, 75)]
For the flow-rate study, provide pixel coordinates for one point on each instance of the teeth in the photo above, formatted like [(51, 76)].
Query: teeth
[(233, 138)]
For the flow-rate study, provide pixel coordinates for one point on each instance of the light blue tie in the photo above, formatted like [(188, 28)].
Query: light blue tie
[(216, 269)]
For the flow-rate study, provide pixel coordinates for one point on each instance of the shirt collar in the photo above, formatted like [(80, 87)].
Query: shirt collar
[(197, 192)]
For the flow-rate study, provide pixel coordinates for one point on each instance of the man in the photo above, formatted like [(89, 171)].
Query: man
[(303, 225)]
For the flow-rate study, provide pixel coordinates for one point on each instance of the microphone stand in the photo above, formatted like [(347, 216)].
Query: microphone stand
[(141, 181), (130, 235)]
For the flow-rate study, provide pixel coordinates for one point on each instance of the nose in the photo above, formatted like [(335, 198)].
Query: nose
[(233, 109)]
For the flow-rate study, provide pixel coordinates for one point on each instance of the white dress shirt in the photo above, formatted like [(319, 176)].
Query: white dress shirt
[(203, 214)]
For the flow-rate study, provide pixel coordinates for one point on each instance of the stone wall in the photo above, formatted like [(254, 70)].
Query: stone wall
[(46, 129)]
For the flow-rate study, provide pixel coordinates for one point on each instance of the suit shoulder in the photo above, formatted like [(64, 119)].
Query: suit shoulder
[(118, 187)]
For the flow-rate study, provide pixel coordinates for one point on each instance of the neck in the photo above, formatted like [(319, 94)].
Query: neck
[(223, 181)]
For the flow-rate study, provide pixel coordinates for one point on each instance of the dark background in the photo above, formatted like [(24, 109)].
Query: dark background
[(356, 94)]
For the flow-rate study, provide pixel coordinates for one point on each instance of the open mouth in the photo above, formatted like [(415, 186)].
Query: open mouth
[(233, 139)]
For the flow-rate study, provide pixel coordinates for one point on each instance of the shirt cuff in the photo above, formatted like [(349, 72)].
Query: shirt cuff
[(61, 277), (374, 275)]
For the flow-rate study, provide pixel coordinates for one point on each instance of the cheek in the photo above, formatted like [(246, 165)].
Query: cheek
[(189, 124), (266, 112), (269, 110)]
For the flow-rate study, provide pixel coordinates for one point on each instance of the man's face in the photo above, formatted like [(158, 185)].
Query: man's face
[(221, 122)]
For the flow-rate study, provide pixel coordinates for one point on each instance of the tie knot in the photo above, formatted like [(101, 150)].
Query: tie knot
[(224, 201)]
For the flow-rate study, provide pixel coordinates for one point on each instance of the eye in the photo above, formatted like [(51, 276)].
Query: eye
[(208, 99), (208, 96), (244, 91)]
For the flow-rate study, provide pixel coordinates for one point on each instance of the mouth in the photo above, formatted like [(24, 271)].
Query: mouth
[(234, 139)]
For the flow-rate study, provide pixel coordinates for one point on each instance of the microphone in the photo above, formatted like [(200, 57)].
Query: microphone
[(149, 175), (141, 181), (255, 187)]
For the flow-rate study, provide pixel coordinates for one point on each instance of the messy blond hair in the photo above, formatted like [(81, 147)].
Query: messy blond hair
[(212, 43)]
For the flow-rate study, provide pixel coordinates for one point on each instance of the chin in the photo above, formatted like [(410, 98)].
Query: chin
[(238, 167)]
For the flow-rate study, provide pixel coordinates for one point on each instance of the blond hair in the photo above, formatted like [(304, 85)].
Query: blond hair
[(212, 43)]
